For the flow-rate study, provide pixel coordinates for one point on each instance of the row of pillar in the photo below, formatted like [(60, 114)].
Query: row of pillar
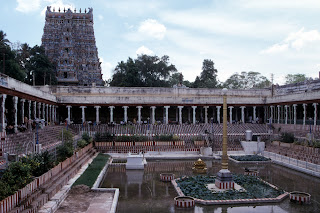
[(46, 110), (153, 108), (272, 108)]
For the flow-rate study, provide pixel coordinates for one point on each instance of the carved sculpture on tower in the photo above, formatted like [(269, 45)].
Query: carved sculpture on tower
[(69, 42)]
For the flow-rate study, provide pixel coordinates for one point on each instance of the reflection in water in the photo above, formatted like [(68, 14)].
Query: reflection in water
[(142, 190)]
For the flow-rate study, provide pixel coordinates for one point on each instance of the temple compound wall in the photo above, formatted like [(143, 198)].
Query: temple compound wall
[(290, 104)]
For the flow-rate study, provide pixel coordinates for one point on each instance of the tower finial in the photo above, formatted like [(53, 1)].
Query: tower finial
[(54, 9), (85, 10), (80, 10), (64, 10), (75, 10), (59, 10)]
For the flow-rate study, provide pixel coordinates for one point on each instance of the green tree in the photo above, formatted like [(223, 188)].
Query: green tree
[(295, 78), (3, 40), (246, 80), (126, 74), (208, 76), (145, 71), (40, 66), (176, 79)]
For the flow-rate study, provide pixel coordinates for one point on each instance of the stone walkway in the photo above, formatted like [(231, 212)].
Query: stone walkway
[(87, 201), (302, 166)]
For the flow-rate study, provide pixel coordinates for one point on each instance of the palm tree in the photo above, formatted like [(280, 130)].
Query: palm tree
[(3, 40)]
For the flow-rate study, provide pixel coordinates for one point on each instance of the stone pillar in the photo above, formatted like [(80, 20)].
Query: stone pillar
[(34, 110), (230, 109), (167, 114), (254, 113), (286, 114), (194, 114), (50, 113), (271, 112), (97, 114), (43, 110), (55, 113), (180, 114), (3, 112), (83, 117), (206, 114), (22, 110), (242, 114), (125, 116), (15, 105), (315, 113), (153, 117), (29, 109), (278, 106), (111, 113), (39, 112), (218, 114), (294, 114), (69, 114), (47, 113), (304, 113), (139, 114)]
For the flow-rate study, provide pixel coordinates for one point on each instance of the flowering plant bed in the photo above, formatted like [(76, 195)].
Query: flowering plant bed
[(249, 158), (255, 188)]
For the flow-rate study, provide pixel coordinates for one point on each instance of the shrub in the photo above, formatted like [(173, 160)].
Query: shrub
[(40, 163), (287, 137), (64, 151), (175, 138), (17, 175), (67, 135), (123, 138), (104, 137), (140, 138), (87, 138), (5, 190), (163, 138), (81, 143)]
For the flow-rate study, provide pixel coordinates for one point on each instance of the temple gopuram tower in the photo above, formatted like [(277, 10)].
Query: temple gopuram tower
[(69, 42)]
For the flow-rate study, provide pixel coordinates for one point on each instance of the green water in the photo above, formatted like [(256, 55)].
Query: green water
[(142, 190)]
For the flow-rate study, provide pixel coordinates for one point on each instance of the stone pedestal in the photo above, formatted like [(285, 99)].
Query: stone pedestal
[(206, 151), (135, 161), (224, 180), (252, 148)]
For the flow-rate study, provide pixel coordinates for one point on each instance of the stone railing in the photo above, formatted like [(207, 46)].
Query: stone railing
[(17, 198)]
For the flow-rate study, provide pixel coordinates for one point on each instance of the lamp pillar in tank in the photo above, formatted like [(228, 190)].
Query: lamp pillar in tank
[(224, 176)]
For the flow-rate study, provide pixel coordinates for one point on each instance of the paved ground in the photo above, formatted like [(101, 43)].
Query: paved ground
[(82, 199)]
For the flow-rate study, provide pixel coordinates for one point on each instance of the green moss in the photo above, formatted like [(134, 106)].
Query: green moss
[(90, 175), (249, 158), (255, 188)]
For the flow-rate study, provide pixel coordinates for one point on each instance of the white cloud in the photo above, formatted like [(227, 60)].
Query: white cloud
[(301, 38), (283, 4), (100, 17), (127, 8), (152, 28), (295, 41), (56, 4), (26, 6), (276, 48), (106, 69), (144, 50), (227, 24)]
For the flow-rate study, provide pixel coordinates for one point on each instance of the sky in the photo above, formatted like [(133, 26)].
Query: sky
[(276, 37)]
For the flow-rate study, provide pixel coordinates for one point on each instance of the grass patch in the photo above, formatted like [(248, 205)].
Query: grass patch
[(90, 175), (249, 158), (196, 187)]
